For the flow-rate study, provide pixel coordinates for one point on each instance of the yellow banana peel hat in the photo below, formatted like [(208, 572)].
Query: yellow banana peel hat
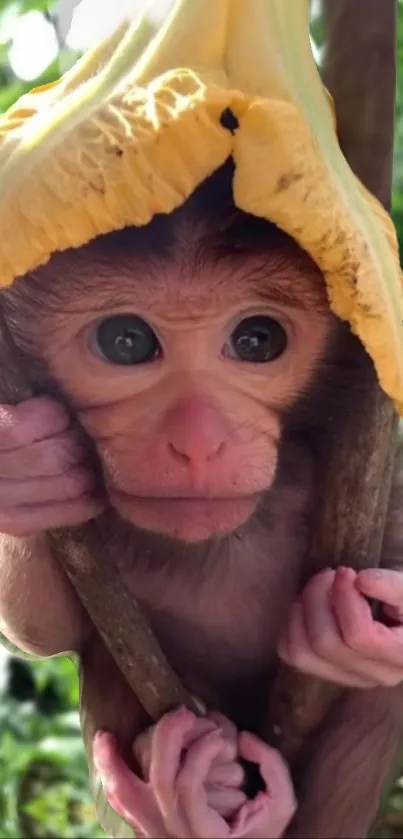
[(137, 124)]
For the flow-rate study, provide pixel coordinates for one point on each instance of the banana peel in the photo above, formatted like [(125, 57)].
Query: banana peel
[(135, 126)]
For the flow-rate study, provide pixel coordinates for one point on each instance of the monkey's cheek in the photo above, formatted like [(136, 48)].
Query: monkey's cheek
[(187, 519)]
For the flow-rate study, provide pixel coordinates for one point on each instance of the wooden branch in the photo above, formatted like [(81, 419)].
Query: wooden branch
[(359, 70), (84, 557), (120, 621)]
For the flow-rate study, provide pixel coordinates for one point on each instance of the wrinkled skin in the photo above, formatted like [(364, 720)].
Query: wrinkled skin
[(209, 466)]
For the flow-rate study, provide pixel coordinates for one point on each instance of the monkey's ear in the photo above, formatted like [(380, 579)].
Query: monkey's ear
[(137, 125)]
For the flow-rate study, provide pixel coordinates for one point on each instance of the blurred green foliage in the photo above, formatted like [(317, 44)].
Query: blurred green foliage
[(43, 774), (43, 771)]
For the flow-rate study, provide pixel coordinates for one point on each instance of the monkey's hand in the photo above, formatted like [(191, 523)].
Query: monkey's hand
[(192, 783), (333, 635), (43, 483)]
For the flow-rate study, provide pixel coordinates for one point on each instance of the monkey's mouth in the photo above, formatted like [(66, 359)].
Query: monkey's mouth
[(191, 519)]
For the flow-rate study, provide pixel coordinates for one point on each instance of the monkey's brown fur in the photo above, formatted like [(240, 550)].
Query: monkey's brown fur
[(217, 604)]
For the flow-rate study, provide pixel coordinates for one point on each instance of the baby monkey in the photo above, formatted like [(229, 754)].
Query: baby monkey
[(193, 375)]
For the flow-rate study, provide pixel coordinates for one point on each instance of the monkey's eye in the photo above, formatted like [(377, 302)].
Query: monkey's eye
[(126, 339), (258, 339)]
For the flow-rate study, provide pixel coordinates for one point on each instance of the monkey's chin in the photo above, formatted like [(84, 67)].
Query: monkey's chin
[(186, 519)]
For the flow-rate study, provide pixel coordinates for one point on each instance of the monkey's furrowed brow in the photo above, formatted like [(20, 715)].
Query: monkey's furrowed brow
[(296, 293), (304, 299), (97, 289), (285, 279)]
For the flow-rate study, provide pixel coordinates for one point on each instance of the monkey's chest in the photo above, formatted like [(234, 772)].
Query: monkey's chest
[(228, 664), (221, 641), (219, 624)]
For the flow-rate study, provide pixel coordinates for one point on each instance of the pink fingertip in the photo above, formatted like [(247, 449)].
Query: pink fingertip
[(104, 739), (345, 574), (181, 720), (239, 820), (104, 746), (372, 573), (100, 733), (249, 737), (248, 743), (212, 736), (242, 818), (183, 713), (369, 577)]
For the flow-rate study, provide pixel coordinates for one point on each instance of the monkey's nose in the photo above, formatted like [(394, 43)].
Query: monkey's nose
[(195, 431), (198, 452)]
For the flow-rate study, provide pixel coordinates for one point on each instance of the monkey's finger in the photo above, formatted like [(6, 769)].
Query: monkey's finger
[(351, 610), (229, 733), (273, 769), (321, 616), (143, 743), (312, 626), (369, 649), (73, 484), (382, 584), (225, 801), (44, 458), (202, 726), (255, 820), (320, 669), (350, 668), (192, 781), (167, 751), (31, 519), (347, 600), (354, 615), (295, 649), (142, 752), (367, 637), (227, 727), (271, 811), (226, 771), (32, 420), (227, 774), (130, 797)]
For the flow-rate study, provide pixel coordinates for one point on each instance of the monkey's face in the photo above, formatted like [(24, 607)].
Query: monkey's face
[(181, 373)]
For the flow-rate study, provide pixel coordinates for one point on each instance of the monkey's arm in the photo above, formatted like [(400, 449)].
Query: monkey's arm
[(39, 610), (361, 741), (350, 765)]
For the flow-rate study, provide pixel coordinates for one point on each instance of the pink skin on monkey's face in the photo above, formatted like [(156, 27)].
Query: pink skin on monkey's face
[(182, 385), (187, 476)]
